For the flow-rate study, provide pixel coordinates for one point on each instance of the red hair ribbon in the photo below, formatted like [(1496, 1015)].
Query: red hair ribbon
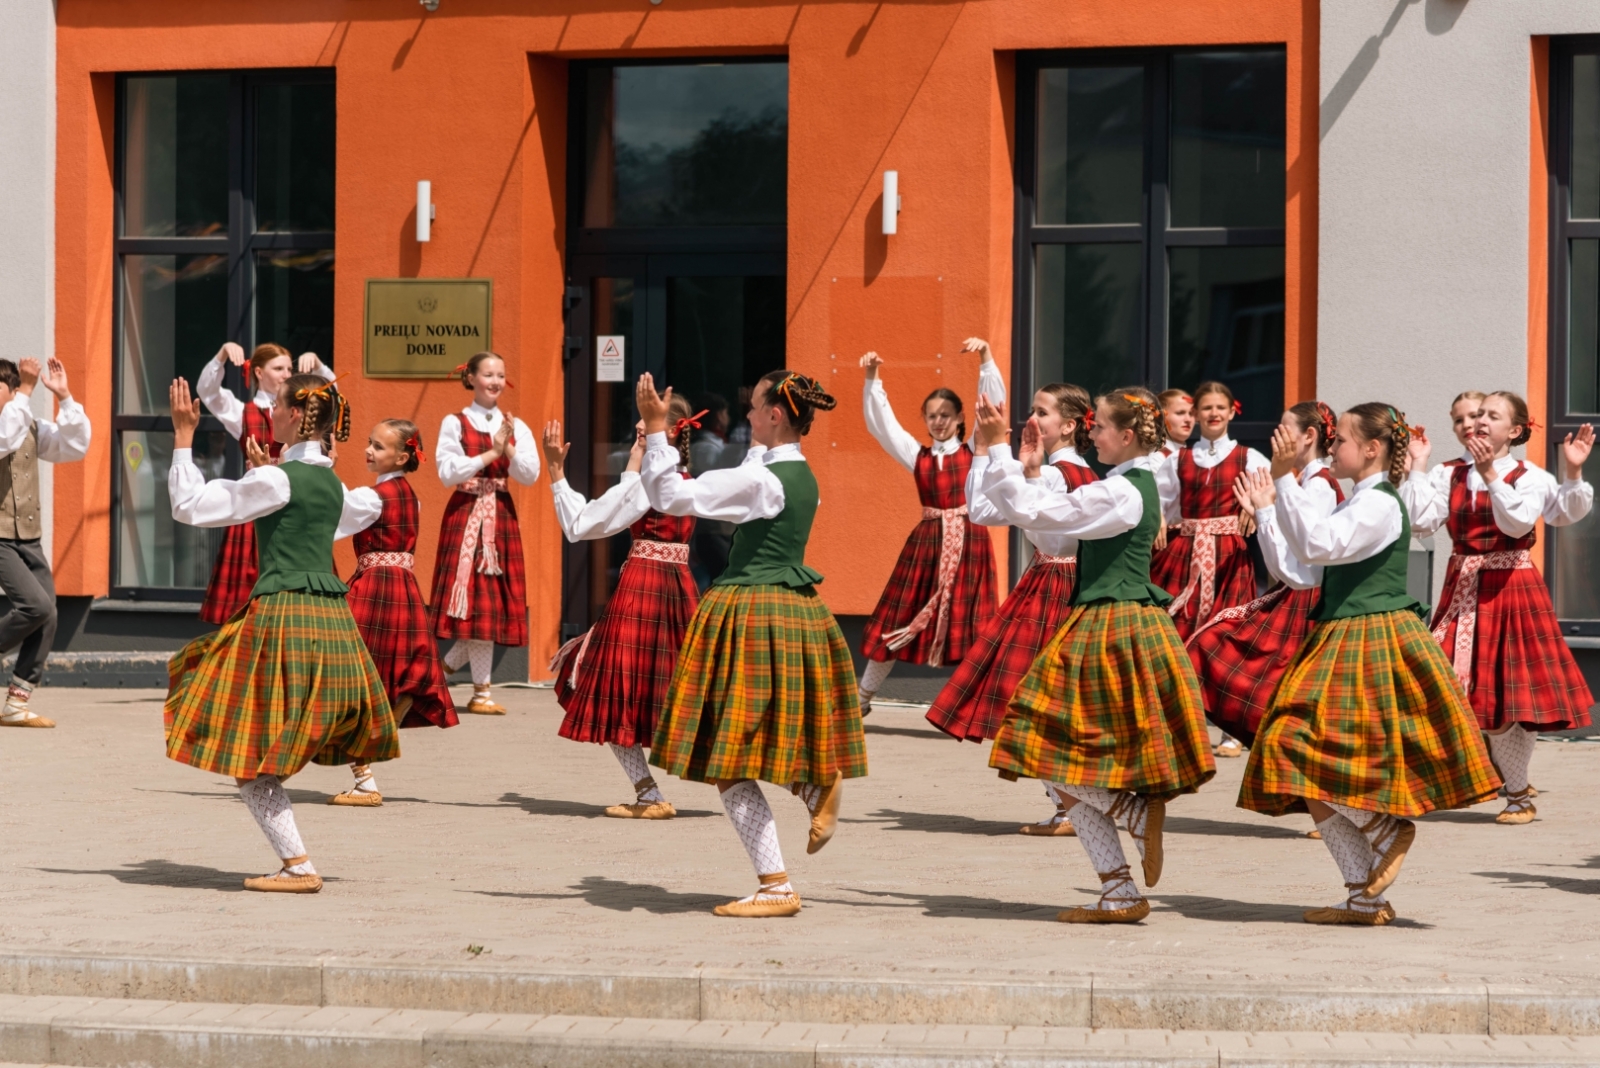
[(1186, 398), (1330, 425), (1532, 425), (415, 448), (1238, 409), (1088, 420), (691, 423)]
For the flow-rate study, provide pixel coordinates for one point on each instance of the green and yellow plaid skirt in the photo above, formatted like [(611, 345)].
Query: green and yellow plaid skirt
[(1369, 714), (1112, 701), (285, 682), (764, 689)]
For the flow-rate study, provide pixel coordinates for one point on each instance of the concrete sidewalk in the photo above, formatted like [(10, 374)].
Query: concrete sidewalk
[(492, 838)]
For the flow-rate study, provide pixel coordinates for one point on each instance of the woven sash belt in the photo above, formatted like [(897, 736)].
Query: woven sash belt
[(405, 560), (953, 534), (480, 529), (1463, 609), (667, 552), (1043, 559), (1202, 563)]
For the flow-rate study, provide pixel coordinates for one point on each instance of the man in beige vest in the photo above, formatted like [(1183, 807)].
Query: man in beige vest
[(30, 624)]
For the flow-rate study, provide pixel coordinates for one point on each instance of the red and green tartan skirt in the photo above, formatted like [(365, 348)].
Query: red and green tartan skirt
[(912, 585), (285, 683), (1111, 701), (1242, 653), (1369, 715), (393, 620), (974, 702), (628, 656), (764, 689), (233, 575)]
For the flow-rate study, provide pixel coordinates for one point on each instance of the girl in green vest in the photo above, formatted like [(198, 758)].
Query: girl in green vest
[(287, 680), (1369, 725), (764, 688), (1110, 711)]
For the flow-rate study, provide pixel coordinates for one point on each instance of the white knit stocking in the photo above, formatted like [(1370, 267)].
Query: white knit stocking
[(456, 658), (1099, 837), (631, 757), (1513, 752), (809, 794), (366, 782), (1125, 810), (269, 804), (752, 820), (482, 656), (1355, 858), (1376, 827), (872, 678)]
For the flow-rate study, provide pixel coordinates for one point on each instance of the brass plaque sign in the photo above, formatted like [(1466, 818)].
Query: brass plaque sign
[(425, 327)]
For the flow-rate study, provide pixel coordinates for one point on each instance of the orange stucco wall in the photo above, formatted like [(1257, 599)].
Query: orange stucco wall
[(473, 97)]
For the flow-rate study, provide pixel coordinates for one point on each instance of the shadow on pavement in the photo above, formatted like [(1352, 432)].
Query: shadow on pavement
[(949, 905), (1232, 829), (936, 823), (619, 896), (166, 873), (905, 732), (1192, 907), (533, 806), (1551, 882)]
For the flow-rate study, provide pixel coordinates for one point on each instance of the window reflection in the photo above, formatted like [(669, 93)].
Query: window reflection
[(154, 549), (1226, 322), (1583, 328), (175, 156), (1228, 128), (294, 156), (174, 315), (1087, 321), (1091, 145), (294, 300)]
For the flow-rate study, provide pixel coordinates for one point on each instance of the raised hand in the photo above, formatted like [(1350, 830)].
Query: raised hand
[(1575, 449), (1031, 449), (1418, 449), (1285, 451), (652, 405), (28, 368), (55, 378), (185, 413), (978, 345), (1482, 458), (870, 364), (993, 427), (307, 364), (231, 352), (555, 451), (257, 454), (505, 438), (1255, 490)]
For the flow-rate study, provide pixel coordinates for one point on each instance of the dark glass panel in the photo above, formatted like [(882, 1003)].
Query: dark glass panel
[(175, 155), (174, 317), (1226, 323), (154, 549), (294, 300), (1583, 329), (1577, 562), (1228, 138), (690, 145), (1087, 315), (1091, 145), (612, 420), (294, 156)]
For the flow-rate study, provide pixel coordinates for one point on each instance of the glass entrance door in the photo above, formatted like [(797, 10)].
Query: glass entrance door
[(706, 324)]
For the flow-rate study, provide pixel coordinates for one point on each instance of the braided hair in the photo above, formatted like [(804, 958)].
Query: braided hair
[(1134, 408), (470, 368), (679, 411), (410, 439), (1377, 421), (1073, 402), (324, 409), (1314, 415), (799, 397)]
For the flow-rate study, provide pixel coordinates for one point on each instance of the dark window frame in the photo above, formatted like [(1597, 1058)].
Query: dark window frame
[(1562, 231), (1154, 230), (240, 246)]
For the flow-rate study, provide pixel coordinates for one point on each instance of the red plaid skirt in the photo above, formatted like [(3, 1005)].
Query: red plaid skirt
[(393, 621), (974, 701), (498, 609), (1522, 670), (233, 575), (632, 649), (912, 585), (1242, 653), (1236, 576)]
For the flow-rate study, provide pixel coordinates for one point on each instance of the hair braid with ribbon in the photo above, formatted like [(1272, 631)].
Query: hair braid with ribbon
[(1314, 415), (1134, 408), (800, 397), (410, 439), (323, 408), (1377, 421)]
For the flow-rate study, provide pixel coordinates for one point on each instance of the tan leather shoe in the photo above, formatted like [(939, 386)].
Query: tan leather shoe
[(1130, 914), (30, 720), (485, 706), (1229, 748), (643, 810), (1049, 829), (284, 882), (786, 904), (1387, 869), (825, 816), (357, 799), (1519, 809), (1344, 914)]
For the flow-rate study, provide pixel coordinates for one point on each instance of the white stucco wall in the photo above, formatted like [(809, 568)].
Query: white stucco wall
[(27, 203)]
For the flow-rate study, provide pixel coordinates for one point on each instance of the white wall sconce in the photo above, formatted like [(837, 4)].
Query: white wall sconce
[(430, 5), (891, 202), (425, 211)]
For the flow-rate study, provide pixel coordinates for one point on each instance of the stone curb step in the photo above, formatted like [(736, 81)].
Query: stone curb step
[(94, 1032), (710, 994)]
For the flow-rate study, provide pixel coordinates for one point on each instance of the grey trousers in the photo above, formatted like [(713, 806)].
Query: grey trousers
[(31, 622)]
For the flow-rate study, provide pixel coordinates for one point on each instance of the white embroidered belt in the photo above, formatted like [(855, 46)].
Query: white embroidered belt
[(575, 647), (405, 560), (953, 534), (1043, 559), (1240, 611), (480, 528), (668, 552), (1463, 608), (1202, 563)]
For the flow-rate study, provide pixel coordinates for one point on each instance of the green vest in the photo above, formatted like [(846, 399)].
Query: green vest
[(772, 552), (1376, 584), (1118, 569), (295, 544)]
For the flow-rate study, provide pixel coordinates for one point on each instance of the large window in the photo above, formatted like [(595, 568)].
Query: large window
[(1571, 563), (224, 233), (1150, 232)]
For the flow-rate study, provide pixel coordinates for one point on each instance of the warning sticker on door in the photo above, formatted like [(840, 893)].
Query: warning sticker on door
[(609, 358)]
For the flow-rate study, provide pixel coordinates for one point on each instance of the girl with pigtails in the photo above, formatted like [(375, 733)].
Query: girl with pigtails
[(287, 680), (972, 704), (942, 587), (1368, 727), (736, 713), (233, 572), (1494, 619), (480, 593), (387, 601), (612, 680), (1110, 711)]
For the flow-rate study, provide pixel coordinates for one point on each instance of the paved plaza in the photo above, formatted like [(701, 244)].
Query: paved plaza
[(492, 837)]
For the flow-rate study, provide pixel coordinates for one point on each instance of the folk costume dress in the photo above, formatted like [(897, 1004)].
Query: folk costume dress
[(1110, 711), (1241, 653), (942, 587), (480, 593), (1206, 565), (392, 617), (1368, 718), (1495, 620), (613, 679), (287, 681), (764, 688), (233, 573)]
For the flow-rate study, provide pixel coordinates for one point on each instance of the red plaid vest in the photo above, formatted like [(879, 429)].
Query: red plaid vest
[(396, 528), (943, 487), (658, 526), (1076, 474), (258, 425), (475, 441), (1207, 492), (1471, 522)]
